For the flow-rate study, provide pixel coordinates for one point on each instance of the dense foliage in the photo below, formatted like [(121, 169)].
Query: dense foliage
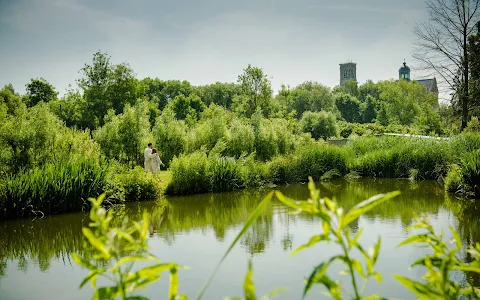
[(236, 134)]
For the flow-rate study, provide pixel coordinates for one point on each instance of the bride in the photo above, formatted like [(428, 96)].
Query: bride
[(156, 161)]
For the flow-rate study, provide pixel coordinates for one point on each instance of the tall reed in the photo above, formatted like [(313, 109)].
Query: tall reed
[(52, 188)]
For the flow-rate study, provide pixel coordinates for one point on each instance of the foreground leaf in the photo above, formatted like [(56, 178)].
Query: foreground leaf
[(366, 206)]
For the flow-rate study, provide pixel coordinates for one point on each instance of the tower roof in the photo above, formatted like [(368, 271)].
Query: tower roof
[(404, 68)]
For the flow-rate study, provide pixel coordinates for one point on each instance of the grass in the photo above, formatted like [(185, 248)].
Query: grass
[(385, 157)]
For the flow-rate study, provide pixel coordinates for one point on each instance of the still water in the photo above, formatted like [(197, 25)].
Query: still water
[(195, 231)]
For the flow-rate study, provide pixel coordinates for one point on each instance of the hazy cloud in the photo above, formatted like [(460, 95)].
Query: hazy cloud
[(206, 41)]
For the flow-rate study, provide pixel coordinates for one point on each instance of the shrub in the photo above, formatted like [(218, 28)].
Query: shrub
[(395, 157), (132, 185), (170, 136), (240, 139), (471, 171), (189, 174), (52, 188), (319, 124), (315, 161)]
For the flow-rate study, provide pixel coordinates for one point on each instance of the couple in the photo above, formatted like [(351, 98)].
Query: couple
[(152, 160)]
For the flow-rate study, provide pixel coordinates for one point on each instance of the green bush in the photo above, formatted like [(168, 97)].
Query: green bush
[(397, 156), (189, 174), (464, 176), (132, 185), (319, 124), (315, 161), (52, 188)]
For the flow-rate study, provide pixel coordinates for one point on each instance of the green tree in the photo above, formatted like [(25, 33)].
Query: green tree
[(10, 100), (256, 91), (170, 135), (219, 93), (474, 53), (403, 100), (310, 96), (368, 109), (106, 86), (319, 124), (40, 90), (369, 88), (349, 107), (428, 121), (187, 106), (124, 136)]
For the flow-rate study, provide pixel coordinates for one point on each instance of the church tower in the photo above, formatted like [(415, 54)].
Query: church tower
[(348, 71), (404, 72)]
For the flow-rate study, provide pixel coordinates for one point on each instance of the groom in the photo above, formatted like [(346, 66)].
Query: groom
[(147, 163)]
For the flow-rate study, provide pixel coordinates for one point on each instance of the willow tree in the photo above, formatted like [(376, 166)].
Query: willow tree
[(442, 44)]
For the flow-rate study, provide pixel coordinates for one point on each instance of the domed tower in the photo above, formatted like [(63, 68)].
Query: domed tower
[(404, 72)]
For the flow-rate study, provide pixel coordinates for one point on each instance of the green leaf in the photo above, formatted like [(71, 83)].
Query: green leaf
[(415, 239), (366, 206), (248, 285), (313, 240), (376, 250), (137, 298), (458, 240), (378, 277), (125, 235), (355, 239), (173, 289), (96, 242), (357, 266), (154, 270), (106, 293), (90, 275), (127, 259), (419, 289), (304, 206), (84, 263), (316, 277), (275, 292), (253, 217)]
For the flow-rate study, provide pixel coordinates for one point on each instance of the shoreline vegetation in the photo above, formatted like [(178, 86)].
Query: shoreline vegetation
[(56, 152)]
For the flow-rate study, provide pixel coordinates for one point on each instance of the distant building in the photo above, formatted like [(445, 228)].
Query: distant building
[(430, 84), (348, 71)]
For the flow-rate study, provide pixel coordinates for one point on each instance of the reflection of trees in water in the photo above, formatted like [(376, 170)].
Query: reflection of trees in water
[(40, 241), (56, 237), (257, 237), (468, 225)]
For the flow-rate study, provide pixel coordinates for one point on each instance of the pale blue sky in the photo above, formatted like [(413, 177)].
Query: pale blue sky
[(207, 41)]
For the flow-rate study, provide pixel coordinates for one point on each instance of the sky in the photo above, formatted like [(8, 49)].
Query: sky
[(204, 41)]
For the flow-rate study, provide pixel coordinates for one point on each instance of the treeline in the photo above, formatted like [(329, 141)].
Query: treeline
[(90, 140)]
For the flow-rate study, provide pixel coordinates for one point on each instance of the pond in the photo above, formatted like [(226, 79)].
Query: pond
[(195, 231)]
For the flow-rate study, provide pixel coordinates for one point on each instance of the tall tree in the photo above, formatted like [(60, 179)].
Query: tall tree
[(256, 89), (442, 44), (40, 90), (474, 54)]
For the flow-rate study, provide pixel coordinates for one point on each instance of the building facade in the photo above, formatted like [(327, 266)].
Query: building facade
[(430, 83), (348, 71)]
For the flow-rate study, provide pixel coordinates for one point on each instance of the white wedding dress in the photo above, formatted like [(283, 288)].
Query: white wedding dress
[(156, 162)]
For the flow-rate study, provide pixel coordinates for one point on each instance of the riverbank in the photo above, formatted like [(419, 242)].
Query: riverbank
[(455, 162), (65, 186)]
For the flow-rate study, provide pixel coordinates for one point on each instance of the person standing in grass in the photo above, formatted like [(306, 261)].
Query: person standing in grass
[(148, 160), (156, 161)]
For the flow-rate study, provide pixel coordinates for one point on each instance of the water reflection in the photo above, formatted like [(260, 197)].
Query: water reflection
[(27, 244)]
